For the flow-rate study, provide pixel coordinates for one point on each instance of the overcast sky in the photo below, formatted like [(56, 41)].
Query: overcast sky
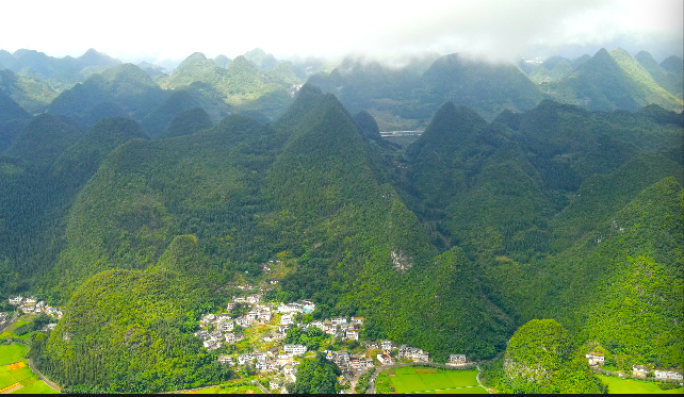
[(497, 29)]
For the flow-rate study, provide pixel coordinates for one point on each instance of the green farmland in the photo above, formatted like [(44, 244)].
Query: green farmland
[(22, 375), (630, 386), (425, 380)]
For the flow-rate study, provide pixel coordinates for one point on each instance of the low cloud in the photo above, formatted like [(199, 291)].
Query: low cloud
[(499, 30)]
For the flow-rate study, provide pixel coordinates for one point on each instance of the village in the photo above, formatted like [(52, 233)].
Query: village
[(256, 341), (31, 305)]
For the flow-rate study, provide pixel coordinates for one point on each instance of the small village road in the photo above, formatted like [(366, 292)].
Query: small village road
[(9, 323), (262, 388), (42, 377)]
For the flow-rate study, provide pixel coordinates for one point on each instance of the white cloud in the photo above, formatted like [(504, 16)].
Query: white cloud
[(497, 29)]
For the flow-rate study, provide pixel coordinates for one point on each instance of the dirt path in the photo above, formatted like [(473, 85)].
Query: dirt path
[(42, 377)]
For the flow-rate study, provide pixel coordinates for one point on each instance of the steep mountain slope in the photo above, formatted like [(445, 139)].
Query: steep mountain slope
[(188, 123), (9, 110), (240, 84), (674, 65), (222, 61), (32, 95), (670, 81), (157, 121), (126, 85), (485, 87), (307, 186), (612, 81), (44, 139), (151, 343), (60, 72), (78, 163), (261, 59), (542, 358)]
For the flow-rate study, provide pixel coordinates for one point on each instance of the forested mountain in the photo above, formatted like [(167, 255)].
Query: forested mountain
[(612, 81), (59, 72), (671, 81), (126, 86), (510, 207), (31, 94)]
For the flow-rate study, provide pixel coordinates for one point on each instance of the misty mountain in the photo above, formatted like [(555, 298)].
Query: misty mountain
[(611, 81), (126, 86), (261, 59), (672, 82), (32, 95)]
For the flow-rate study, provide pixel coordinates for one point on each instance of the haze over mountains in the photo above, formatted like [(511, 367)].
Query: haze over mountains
[(540, 190)]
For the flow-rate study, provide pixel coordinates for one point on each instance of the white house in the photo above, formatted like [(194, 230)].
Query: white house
[(296, 350), (245, 358), (412, 353), (640, 371), (234, 338), (385, 359), (351, 334), (16, 300), (386, 345), (286, 321), (457, 359), (595, 358), (668, 375)]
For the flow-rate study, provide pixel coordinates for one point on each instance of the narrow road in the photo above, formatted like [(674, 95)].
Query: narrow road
[(261, 387), (9, 323), (42, 377)]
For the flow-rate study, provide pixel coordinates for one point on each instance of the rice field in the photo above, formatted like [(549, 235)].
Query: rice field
[(425, 380), (631, 386), (15, 375)]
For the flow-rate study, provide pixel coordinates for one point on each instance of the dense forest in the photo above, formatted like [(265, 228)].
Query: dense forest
[(139, 200)]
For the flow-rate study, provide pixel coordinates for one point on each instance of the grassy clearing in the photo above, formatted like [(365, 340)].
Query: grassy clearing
[(630, 386), (428, 381), (10, 354)]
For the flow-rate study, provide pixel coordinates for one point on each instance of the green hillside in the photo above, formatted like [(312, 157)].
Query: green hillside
[(157, 121), (72, 170), (542, 358), (127, 86), (157, 345), (485, 87), (9, 110), (670, 81), (31, 94), (240, 84), (187, 123), (610, 81), (44, 139), (673, 64)]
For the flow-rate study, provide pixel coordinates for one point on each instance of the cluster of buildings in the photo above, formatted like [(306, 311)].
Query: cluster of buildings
[(642, 371), (339, 327), (596, 359), (347, 361), (32, 306), (281, 360), (217, 329)]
